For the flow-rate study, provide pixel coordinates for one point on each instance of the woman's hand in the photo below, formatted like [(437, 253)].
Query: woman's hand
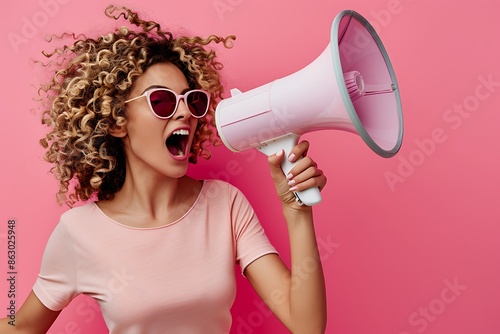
[(304, 175)]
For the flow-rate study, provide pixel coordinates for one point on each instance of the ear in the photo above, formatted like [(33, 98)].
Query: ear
[(118, 131)]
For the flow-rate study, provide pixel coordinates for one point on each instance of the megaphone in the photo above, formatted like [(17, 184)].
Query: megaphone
[(351, 86)]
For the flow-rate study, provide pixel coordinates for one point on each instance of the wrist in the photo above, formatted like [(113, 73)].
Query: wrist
[(297, 213)]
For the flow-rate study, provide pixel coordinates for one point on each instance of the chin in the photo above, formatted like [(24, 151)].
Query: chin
[(176, 171)]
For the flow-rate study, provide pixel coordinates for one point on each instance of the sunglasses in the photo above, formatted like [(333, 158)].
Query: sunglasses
[(164, 102)]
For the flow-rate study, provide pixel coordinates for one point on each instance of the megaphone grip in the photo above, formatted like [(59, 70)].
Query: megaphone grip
[(309, 196)]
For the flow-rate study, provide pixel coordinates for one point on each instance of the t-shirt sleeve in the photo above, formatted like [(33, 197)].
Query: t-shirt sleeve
[(250, 238), (56, 284)]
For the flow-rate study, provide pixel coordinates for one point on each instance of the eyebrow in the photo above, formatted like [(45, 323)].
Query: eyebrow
[(160, 86)]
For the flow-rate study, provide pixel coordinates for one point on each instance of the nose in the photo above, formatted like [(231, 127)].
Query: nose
[(182, 110)]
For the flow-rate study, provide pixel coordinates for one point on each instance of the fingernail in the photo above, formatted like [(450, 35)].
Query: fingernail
[(279, 153), (293, 188), (289, 176), (291, 157), (291, 182)]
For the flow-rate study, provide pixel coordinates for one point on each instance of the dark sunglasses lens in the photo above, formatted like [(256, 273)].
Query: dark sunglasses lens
[(163, 102), (198, 103)]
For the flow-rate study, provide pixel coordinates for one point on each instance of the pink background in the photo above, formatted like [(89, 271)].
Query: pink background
[(418, 254)]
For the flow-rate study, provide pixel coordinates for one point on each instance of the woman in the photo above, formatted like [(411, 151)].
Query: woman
[(128, 111)]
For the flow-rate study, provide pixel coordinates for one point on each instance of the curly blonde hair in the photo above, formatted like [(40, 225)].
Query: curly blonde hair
[(85, 99)]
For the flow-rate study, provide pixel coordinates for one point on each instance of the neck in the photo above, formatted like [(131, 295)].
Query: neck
[(148, 194), (151, 194)]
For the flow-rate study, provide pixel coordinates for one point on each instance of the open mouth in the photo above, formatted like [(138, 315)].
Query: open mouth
[(177, 142)]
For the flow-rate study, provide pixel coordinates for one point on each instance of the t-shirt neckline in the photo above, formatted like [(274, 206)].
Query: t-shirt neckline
[(108, 218)]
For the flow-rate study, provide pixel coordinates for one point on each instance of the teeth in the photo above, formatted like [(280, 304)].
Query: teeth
[(180, 154), (182, 132)]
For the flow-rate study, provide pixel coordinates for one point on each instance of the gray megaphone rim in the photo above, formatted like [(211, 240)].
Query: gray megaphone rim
[(334, 33)]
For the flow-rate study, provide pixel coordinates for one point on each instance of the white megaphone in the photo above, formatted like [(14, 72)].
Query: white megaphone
[(351, 86)]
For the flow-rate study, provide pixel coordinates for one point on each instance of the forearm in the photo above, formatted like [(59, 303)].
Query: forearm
[(307, 286)]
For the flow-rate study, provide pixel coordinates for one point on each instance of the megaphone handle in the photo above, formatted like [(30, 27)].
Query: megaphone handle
[(309, 196)]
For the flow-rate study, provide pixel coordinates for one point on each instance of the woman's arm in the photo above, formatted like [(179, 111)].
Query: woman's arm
[(297, 296), (32, 318)]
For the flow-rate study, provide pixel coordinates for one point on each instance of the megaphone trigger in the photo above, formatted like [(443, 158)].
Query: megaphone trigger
[(309, 196)]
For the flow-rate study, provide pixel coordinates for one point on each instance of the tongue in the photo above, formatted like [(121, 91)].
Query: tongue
[(175, 145), (174, 150)]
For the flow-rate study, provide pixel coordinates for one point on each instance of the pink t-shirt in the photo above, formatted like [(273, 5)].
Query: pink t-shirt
[(177, 278)]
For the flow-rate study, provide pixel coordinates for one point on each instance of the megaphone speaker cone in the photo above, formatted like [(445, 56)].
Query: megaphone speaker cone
[(377, 113)]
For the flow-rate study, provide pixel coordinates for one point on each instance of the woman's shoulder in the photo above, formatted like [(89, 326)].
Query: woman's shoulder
[(225, 192), (75, 220), (215, 185), (79, 213)]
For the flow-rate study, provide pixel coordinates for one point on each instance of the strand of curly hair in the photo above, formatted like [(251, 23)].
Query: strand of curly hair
[(85, 99)]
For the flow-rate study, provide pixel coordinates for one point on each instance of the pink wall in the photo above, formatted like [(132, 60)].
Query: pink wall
[(419, 254)]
